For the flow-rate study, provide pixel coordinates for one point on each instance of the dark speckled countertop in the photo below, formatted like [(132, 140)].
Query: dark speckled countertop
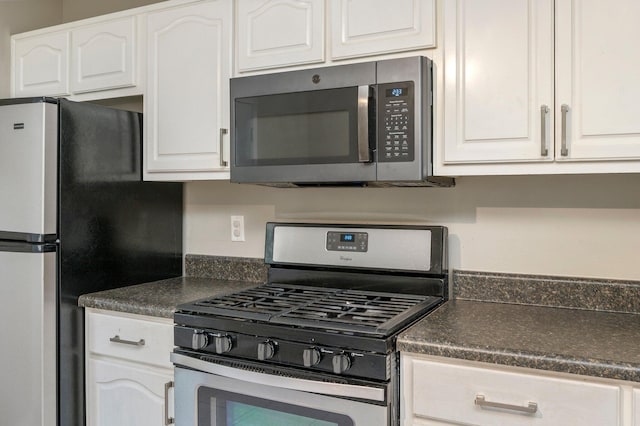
[(206, 276), (509, 332), (160, 298)]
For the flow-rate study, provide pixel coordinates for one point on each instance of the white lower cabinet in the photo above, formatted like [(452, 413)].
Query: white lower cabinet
[(129, 377), (125, 395), (636, 407), (441, 392)]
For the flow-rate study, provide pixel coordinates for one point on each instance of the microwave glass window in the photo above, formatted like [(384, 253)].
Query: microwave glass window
[(316, 127), (221, 408)]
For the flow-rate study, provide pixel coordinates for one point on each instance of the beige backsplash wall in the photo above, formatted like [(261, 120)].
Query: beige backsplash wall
[(558, 225)]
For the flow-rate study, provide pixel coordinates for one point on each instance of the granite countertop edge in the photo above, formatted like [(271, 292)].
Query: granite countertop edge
[(556, 363), (450, 338)]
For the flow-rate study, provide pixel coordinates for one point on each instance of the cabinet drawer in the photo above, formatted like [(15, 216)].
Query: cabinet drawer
[(449, 392), (131, 337)]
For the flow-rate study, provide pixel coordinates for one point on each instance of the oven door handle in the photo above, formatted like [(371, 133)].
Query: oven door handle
[(305, 385)]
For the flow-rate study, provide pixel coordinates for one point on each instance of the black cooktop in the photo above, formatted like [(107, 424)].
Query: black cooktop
[(364, 312)]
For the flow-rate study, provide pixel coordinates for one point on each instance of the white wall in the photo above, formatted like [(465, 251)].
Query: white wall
[(585, 226), (17, 16), (73, 10)]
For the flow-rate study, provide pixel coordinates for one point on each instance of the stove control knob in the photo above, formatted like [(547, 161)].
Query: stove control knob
[(199, 340), (311, 357), (341, 363), (222, 344), (266, 350)]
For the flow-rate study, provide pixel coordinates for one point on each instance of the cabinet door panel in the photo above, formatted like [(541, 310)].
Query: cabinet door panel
[(598, 64), (103, 56), (279, 33), (366, 27), (187, 96), (636, 407), (124, 395), (498, 76), (41, 65), (445, 392)]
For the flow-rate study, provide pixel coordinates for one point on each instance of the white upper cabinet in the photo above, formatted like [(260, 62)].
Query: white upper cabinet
[(40, 65), (186, 102), (369, 27), (89, 59), (498, 80), (103, 55), (541, 87), (273, 33), (598, 79)]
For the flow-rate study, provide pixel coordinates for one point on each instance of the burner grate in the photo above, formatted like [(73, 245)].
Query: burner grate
[(317, 307), (261, 302)]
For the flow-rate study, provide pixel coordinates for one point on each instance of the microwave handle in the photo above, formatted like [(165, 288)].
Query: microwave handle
[(364, 155)]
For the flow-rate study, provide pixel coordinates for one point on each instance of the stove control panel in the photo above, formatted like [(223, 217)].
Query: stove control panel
[(276, 351), (347, 241)]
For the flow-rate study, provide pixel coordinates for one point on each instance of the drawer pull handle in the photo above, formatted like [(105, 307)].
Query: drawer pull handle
[(531, 407), (167, 420), (117, 339)]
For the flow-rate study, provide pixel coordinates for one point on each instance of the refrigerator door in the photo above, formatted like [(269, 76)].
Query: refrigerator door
[(28, 168), (28, 349), (115, 230)]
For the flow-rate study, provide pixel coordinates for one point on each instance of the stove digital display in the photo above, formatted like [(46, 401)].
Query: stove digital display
[(347, 237), (347, 241)]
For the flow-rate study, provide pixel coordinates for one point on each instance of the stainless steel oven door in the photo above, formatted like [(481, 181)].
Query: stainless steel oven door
[(208, 394)]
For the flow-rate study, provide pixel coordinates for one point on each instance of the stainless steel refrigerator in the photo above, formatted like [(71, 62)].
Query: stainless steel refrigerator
[(75, 217)]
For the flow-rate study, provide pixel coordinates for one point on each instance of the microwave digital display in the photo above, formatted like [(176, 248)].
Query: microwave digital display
[(396, 91)]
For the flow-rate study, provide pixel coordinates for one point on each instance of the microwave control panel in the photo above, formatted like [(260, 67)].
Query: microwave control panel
[(396, 112)]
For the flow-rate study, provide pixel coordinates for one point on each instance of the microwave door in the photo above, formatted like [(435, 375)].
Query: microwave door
[(313, 136)]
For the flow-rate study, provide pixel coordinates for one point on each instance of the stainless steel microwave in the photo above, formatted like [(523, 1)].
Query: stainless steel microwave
[(357, 124)]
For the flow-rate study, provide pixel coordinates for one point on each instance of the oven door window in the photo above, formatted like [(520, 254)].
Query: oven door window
[(221, 408), (315, 127)]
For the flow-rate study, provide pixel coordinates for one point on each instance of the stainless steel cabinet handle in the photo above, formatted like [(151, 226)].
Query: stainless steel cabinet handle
[(222, 162), (117, 339), (544, 111), (363, 124), (531, 407), (167, 420), (564, 151)]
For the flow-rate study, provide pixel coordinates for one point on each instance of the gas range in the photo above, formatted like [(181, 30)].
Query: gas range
[(337, 297)]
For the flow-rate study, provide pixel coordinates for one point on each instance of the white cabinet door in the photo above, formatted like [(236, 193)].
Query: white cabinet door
[(119, 394), (103, 55), (465, 394), (187, 97), (598, 69), (368, 27), (498, 80), (274, 33), (636, 407), (40, 65)]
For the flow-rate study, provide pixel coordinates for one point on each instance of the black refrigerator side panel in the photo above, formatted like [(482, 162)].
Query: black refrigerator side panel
[(114, 229)]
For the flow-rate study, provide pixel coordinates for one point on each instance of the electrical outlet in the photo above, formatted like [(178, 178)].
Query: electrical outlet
[(237, 228)]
